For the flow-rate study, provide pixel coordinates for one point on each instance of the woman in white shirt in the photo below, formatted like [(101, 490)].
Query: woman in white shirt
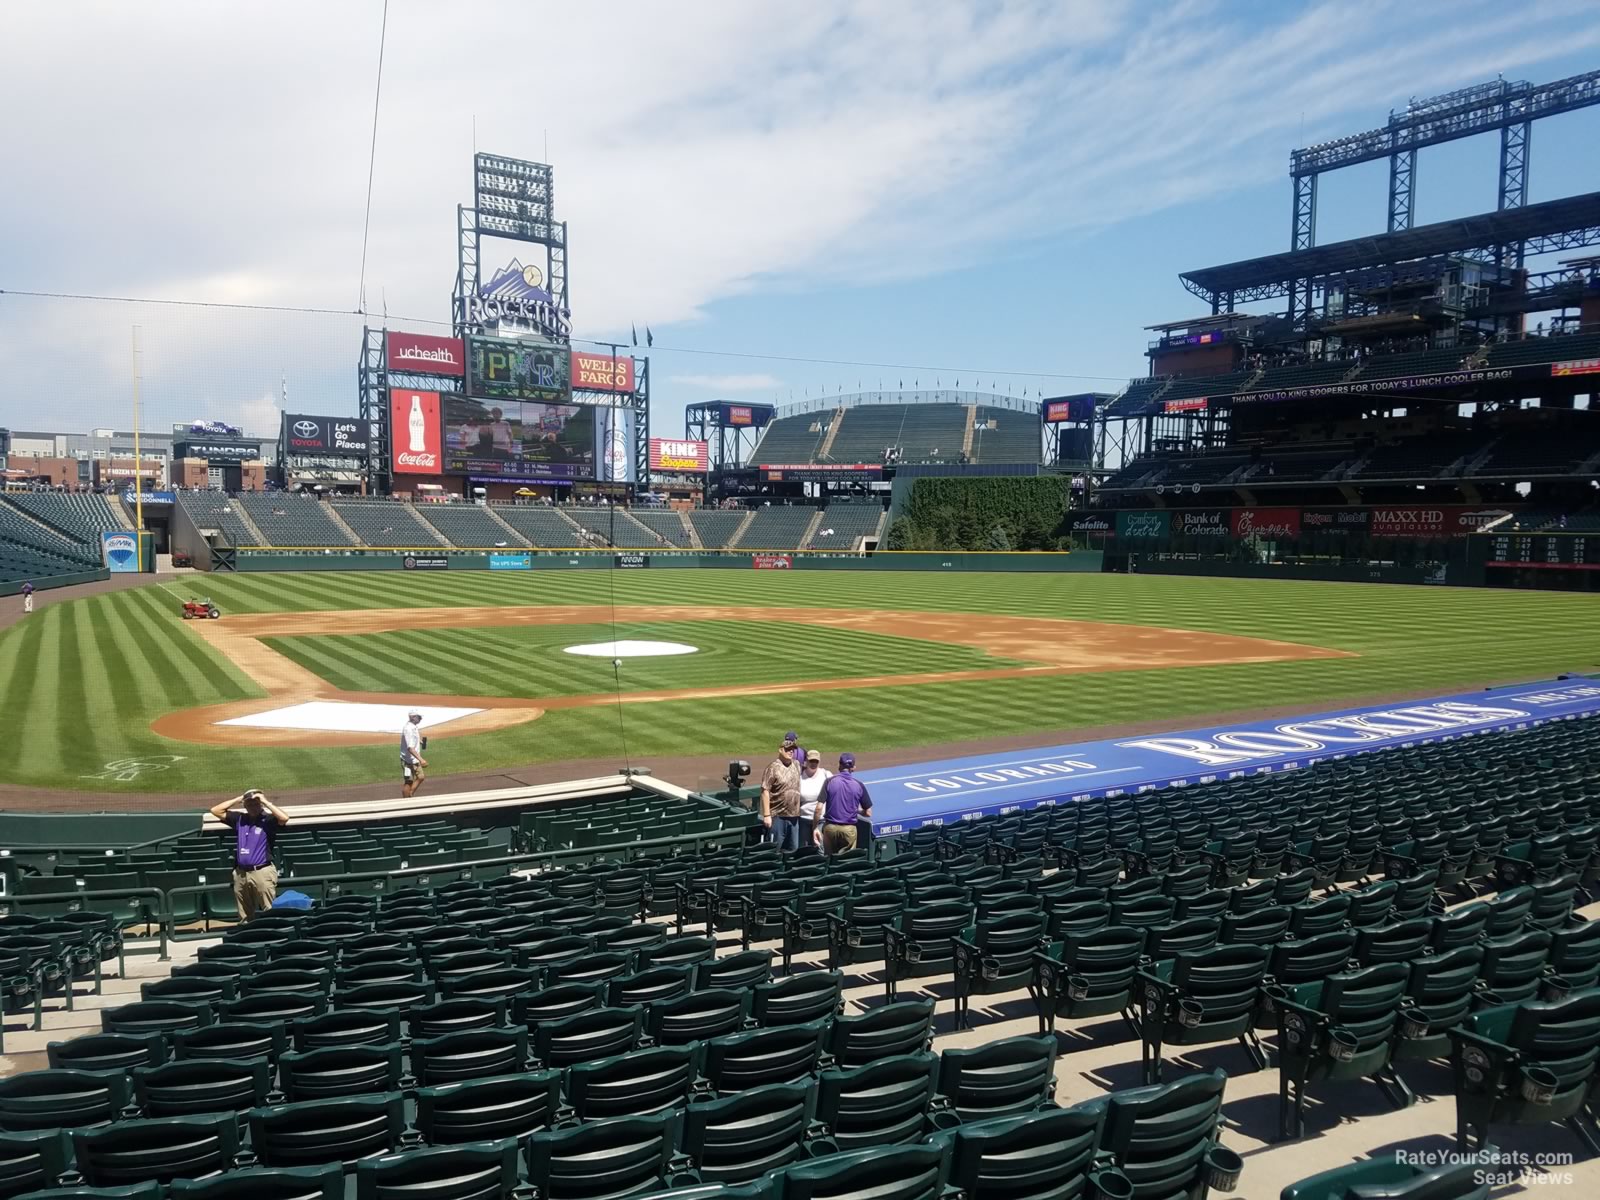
[(812, 777)]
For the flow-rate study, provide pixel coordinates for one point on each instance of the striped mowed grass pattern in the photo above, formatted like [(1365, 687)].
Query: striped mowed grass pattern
[(83, 680), (532, 661)]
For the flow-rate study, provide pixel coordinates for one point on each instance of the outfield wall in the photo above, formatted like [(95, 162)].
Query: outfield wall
[(439, 559), (42, 582)]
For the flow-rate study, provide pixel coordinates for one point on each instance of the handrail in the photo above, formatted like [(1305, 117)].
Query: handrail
[(510, 862)]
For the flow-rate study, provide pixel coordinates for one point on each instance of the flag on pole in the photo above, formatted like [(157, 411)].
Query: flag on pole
[(649, 338), (635, 329)]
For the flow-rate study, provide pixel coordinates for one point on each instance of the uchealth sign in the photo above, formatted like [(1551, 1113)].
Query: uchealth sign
[(939, 793), (424, 354), (669, 455), (415, 434), (601, 373)]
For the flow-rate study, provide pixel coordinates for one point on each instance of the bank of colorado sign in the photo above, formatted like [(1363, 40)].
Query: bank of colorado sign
[(669, 455), (424, 354)]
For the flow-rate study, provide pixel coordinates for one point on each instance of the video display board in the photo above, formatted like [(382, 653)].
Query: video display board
[(518, 369), (519, 439)]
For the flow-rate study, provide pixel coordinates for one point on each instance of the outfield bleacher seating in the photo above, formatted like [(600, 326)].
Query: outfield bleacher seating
[(1141, 392), (217, 510), (665, 523), (542, 525), (25, 534), (843, 525), (1563, 348), (83, 516), (781, 527), (1439, 361), (793, 439), (716, 527), (19, 563), (385, 523), (468, 525), (614, 527), (1209, 385), (1300, 375), (291, 519), (1416, 458), (1536, 452), (1014, 438), (919, 432)]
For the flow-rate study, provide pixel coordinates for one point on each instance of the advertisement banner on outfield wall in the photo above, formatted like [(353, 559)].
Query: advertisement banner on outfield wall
[(772, 562), (631, 562), (415, 434), (1144, 526), (425, 562), (1202, 523), (121, 551), (1433, 521), (1346, 521), (1094, 522), (1266, 522), (669, 454), (424, 354), (510, 562)]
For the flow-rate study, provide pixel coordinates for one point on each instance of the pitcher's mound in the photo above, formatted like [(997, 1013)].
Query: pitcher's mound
[(344, 717), (632, 649)]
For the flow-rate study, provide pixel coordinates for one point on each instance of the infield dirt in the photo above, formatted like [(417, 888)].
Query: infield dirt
[(1055, 647)]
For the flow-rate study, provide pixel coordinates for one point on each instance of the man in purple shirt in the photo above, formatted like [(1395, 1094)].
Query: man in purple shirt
[(844, 800), (255, 822)]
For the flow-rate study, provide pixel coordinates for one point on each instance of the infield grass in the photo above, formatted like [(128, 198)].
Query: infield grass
[(82, 681), (531, 660)]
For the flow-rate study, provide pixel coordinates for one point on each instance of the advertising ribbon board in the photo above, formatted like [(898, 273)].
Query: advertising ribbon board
[(1202, 523), (1096, 522), (431, 562), (772, 562), (1433, 521), (1266, 523), (510, 562), (953, 790), (632, 562)]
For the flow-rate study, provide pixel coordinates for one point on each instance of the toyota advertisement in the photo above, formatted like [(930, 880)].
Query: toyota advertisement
[(518, 439), (415, 441), (336, 437), (424, 354), (667, 454)]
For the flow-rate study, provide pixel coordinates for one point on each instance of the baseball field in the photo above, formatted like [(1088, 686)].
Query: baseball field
[(114, 692)]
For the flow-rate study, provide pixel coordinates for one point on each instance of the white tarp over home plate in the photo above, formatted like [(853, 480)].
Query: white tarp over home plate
[(335, 716)]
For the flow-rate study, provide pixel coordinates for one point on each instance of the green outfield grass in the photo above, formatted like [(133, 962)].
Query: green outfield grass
[(82, 681), (529, 660)]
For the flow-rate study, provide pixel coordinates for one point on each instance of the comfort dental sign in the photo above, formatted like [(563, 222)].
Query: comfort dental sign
[(906, 798)]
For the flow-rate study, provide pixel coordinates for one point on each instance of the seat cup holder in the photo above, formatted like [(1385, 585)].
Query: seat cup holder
[(1223, 1168), (1342, 1045), (1539, 1085), (1110, 1184)]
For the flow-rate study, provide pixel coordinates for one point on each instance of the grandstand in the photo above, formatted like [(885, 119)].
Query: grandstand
[(717, 528), (779, 527), (468, 525), (943, 426), (665, 523), (49, 534), (82, 516), (595, 981), (222, 513), (540, 525), (614, 527), (385, 523), (292, 519), (843, 525)]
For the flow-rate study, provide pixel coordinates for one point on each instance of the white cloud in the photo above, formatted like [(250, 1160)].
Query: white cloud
[(731, 383), (702, 152)]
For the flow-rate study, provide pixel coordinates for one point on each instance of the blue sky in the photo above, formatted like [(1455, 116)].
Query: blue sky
[(1001, 191)]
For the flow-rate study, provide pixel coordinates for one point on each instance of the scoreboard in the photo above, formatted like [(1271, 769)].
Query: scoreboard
[(1545, 551)]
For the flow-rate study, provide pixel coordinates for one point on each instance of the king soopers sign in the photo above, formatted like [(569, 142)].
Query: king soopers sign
[(906, 798)]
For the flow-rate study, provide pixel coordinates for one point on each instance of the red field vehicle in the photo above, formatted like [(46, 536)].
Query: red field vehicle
[(200, 610)]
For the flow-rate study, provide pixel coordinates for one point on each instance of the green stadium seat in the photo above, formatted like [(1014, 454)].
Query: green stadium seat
[(890, 1102), (501, 1106), (56, 1098), (1040, 1156), (316, 1132), (156, 1151), (265, 1183)]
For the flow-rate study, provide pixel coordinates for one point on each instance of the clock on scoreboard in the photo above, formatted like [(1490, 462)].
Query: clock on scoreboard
[(1545, 551)]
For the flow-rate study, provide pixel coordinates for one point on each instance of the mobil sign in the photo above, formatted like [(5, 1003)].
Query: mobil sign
[(424, 354), (415, 433), (669, 455)]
